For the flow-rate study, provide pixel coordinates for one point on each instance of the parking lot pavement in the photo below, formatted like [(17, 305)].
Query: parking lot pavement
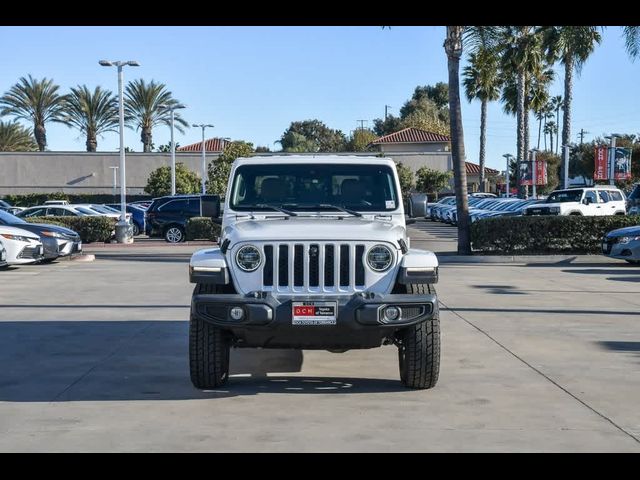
[(535, 358)]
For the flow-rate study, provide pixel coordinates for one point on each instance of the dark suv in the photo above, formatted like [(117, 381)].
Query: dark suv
[(167, 216)]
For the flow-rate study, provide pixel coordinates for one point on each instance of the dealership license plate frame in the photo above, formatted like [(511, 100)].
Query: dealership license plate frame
[(322, 313)]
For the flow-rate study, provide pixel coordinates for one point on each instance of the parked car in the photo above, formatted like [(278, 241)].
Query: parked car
[(634, 210), (587, 201), (142, 203), (57, 241), (22, 246), (623, 243), (4, 205), (100, 210), (137, 216), (55, 211), (56, 202), (3, 256), (167, 216)]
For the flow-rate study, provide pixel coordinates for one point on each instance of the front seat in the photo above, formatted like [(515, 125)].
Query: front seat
[(273, 190), (352, 192)]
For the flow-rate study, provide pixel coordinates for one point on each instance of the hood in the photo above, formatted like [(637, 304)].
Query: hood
[(321, 229), (625, 232), (40, 227), (18, 231)]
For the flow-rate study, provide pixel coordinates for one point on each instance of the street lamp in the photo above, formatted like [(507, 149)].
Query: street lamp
[(204, 162), (124, 231), (534, 171), (612, 156), (567, 148), (171, 108), (508, 156)]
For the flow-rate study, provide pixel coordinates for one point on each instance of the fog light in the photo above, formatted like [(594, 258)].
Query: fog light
[(236, 313), (391, 313)]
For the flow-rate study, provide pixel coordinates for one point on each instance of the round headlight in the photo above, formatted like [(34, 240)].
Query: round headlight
[(248, 258), (379, 258)]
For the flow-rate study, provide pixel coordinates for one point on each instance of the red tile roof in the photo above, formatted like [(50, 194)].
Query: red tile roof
[(474, 169), (412, 135), (210, 145)]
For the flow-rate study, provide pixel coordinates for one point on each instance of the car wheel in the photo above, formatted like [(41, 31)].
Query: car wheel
[(419, 348), (136, 229), (208, 349), (174, 234), (633, 262)]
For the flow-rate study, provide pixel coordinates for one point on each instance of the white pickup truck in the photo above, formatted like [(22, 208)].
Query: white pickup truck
[(314, 254)]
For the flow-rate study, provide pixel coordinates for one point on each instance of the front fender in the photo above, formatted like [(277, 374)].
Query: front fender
[(209, 266), (418, 266)]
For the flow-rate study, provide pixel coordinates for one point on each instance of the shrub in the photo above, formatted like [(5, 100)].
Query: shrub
[(545, 234), (90, 228), (202, 228)]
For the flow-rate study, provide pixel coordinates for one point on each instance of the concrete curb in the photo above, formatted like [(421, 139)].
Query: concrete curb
[(524, 259), (83, 258)]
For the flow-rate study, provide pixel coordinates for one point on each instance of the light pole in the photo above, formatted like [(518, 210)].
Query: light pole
[(171, 108), (508, 156), (115, 181), (612, 157), (566, 163), (534, 172), (124, 231), (204, 161)]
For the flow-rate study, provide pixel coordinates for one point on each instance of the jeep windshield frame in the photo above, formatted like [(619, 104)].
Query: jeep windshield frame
[(563, 196), (314, 187)]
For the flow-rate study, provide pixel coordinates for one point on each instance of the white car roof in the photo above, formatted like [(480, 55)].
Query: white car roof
[(326, 159)]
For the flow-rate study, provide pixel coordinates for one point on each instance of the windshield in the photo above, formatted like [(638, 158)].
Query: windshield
[(7, 219), (85, 211), (104, 209), (565, 196), (314, 187)]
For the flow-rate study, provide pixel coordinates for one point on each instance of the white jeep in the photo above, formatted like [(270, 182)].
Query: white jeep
[(314, 254), (586, 201)]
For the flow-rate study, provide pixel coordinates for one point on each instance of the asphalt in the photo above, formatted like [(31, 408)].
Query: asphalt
[(540, 356)]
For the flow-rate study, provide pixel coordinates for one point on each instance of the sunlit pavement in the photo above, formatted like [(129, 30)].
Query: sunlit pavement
[(539, 357)]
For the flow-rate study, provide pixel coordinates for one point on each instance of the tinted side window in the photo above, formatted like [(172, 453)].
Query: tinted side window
[(174, 206), (39, 212), (604, 197), (194, 206)]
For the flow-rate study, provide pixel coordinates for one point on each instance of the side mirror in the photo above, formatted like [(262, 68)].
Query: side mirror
[(210, 206)]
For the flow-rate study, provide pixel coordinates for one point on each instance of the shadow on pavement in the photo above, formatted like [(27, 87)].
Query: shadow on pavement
[(623, 347), (141, 360)]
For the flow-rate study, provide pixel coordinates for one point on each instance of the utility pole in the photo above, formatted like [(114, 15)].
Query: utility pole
[(361, 124), (582, 133), (386, 111)]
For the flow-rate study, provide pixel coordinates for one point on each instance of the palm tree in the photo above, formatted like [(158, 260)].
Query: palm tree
[(556, 104), (482, 82), (36, 101), (142, 109), (16, 138), (551, 128), (93, 113), (539, 95), (632, 40), (572, 45)]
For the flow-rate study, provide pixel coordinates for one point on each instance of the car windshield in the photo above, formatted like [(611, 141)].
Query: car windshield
[(314, 187), (85, 211), (104, 209), (7, 219), (565, 196)]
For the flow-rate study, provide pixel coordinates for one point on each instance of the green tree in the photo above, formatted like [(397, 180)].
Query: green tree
[(166, 148), (406, 177), (261, 149), (482, 82), (142, 109), (631, 36), (159, 183), (386, 126), (93, 113), (428, 98), (432, 181), (16, 138), (220, 168), (425, 120), (319, 137), (572, 45), (555, 103), (360, 140), (36, 101)]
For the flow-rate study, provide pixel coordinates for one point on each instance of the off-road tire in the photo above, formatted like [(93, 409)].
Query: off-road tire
[(208, 349), (419, 348)]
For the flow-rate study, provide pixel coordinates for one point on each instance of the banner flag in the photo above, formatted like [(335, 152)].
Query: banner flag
[(601, 163), (622, 164)]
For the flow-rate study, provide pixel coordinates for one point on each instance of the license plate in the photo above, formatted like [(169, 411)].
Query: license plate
[(314, 313)]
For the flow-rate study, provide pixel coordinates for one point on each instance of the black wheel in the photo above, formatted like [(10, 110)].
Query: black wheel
[(174, 234), (208, 349), (136, 229), (633, 262), (419, 348)]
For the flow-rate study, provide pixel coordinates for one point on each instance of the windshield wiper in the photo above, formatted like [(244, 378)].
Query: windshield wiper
[(279, 209), (327, 205)]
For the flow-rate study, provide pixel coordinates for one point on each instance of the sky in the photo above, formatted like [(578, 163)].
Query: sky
[(252, 82)]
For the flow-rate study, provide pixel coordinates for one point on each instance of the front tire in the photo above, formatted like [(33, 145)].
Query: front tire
[(174, 234), (208, 349), (419, 348), (633, 262)]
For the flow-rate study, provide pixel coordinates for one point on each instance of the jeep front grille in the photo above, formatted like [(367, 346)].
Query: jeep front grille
[(300, 267)]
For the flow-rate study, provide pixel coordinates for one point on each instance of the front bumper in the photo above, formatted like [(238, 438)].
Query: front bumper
[(624, 251), (268, 319), (68, 247)]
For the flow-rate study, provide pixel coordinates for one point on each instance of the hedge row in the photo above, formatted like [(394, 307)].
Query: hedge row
[(545, 234), (90, 228), (33, 199), (202, 228)]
